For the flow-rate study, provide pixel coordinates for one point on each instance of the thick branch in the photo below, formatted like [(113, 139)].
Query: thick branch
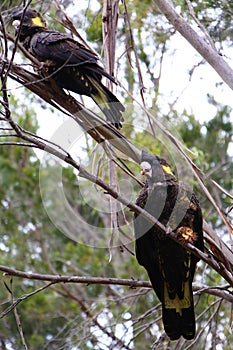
[(204, 49)]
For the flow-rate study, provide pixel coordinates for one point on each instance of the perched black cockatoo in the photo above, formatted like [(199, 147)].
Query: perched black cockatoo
[(70, 64), (169, 265)]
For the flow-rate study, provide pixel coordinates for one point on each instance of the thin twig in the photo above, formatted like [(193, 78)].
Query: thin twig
[(24, 297)]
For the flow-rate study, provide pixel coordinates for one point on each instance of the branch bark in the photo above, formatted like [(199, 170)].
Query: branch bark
[(221, 291), (109, 28), (204, 49)]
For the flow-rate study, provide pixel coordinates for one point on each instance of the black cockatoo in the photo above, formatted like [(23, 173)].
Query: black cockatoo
[(169, 265), (71, 65)]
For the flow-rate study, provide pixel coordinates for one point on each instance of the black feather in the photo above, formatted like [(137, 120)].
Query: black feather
[(71, 64), (170, 267)]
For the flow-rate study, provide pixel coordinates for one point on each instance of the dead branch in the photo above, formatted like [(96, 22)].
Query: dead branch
[(24, 297), (220, 291), (109, 29)]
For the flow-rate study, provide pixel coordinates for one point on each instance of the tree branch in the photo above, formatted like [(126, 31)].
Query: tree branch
[(24, 297), (220, 291), (204, 49)]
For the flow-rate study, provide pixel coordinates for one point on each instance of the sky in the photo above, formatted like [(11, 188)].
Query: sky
[(193, 94)]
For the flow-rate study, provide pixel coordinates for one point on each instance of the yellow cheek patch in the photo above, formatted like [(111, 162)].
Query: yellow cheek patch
[(167, 169), (37, 21)]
